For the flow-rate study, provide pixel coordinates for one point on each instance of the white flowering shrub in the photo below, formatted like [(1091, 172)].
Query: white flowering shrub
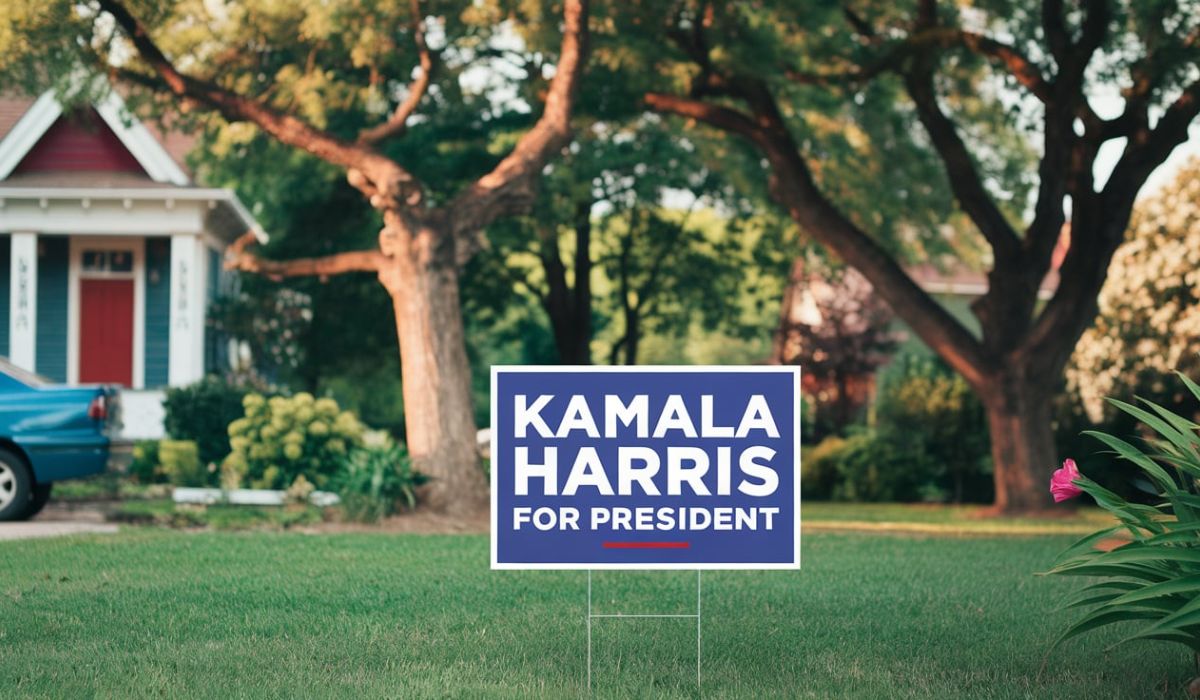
[(1149, 321), (279, 439)]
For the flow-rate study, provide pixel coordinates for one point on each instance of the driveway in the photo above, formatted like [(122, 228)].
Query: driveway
[(57, 520)]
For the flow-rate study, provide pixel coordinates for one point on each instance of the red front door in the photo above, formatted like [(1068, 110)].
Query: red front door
[(106, 332)]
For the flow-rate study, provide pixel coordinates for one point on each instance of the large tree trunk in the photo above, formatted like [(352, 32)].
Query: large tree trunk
[(1022, 433), (422, 279)]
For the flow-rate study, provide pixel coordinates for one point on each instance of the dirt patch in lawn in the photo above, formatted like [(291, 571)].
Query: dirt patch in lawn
[(419, 522)]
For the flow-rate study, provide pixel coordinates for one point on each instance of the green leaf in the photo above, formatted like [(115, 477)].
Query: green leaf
[(1185, 616), (1187, 584), (1132, 454), (1191, 385), (1087, 544), (1101, 618), (1180, 440), (1132, 571)]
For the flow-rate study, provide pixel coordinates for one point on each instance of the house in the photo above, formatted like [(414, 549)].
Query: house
[(110, 254), (848, 311)]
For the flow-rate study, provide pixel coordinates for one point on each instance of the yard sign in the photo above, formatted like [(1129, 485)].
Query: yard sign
[(645, 467)]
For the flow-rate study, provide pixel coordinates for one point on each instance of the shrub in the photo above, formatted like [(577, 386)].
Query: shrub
[(1154, 579), (201, 412), (883, 466), (144, 467), (279, 439), (925, 407), (819, 468), (181, 465), (375, 482)]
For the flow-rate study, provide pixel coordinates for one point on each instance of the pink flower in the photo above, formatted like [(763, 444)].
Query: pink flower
[(1062, 485)]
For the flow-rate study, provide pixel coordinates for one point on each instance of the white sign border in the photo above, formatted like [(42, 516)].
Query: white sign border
[(713, 566)]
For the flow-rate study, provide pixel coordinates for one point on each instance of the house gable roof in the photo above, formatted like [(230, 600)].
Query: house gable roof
[(27, 131)]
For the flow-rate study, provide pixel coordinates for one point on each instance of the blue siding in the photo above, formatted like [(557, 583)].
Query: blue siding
[(51, 359), (5, 287), (158, 311), (215, 352)]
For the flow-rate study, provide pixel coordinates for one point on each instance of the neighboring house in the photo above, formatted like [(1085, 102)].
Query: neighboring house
[(953, 285), (110, 254)]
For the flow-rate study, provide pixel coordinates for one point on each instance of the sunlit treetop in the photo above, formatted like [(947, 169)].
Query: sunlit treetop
[(342, 67)]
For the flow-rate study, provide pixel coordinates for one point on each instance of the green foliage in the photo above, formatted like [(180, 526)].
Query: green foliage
[(929, 442), (180, 463), (819, 468), (373, 391), (279, 439), (883, 466), (922, 399), (1155, 579), (201, 412), (144, 467), (268, 321), (1149, 308), (375, 482)]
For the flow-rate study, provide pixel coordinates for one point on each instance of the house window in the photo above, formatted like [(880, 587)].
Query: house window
[(107, 261)]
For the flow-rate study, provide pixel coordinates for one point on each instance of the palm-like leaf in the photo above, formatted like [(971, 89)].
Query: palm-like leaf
[(1155, 579)]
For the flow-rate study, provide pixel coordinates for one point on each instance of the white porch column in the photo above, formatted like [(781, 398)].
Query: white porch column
[(22, 319), (186, 362)]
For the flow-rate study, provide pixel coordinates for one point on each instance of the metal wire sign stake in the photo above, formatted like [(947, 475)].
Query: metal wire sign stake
[(668, 468), (591, 616)]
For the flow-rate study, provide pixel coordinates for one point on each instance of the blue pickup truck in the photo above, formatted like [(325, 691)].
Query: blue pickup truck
[(48, 433)]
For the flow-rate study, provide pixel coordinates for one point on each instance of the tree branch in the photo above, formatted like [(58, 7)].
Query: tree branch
[(398, 121), (964, 178), (1064, 151), (1147, 148), (724, 118), (1055, 30), (389, 179), (237, 257), (792, 185), (509, 187), (1084, 269), (1026, 72)]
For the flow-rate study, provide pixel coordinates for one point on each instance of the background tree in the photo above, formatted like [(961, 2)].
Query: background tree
[(1149, 321), (749, 70), (300, 72), (666, 272), (600, 250), (834, 326)]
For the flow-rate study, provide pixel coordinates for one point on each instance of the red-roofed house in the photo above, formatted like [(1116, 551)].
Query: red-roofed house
[(112, 253)]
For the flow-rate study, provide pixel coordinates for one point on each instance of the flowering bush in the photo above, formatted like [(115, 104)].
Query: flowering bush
[(279, 439), (180, 463), (1149, 321), (1155, 578)]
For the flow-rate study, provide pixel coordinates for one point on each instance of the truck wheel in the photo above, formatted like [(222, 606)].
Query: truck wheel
[(37, 500), (16, 487)]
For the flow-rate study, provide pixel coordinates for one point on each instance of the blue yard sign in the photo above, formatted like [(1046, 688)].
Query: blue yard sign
[(645, 467)]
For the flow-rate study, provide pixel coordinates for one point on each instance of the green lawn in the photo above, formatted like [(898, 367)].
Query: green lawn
[(156, 613)]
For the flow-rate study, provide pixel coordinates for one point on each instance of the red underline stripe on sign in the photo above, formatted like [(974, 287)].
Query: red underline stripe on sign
[(647, 545)]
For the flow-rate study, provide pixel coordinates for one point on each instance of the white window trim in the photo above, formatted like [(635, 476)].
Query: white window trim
[(134, 245)]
